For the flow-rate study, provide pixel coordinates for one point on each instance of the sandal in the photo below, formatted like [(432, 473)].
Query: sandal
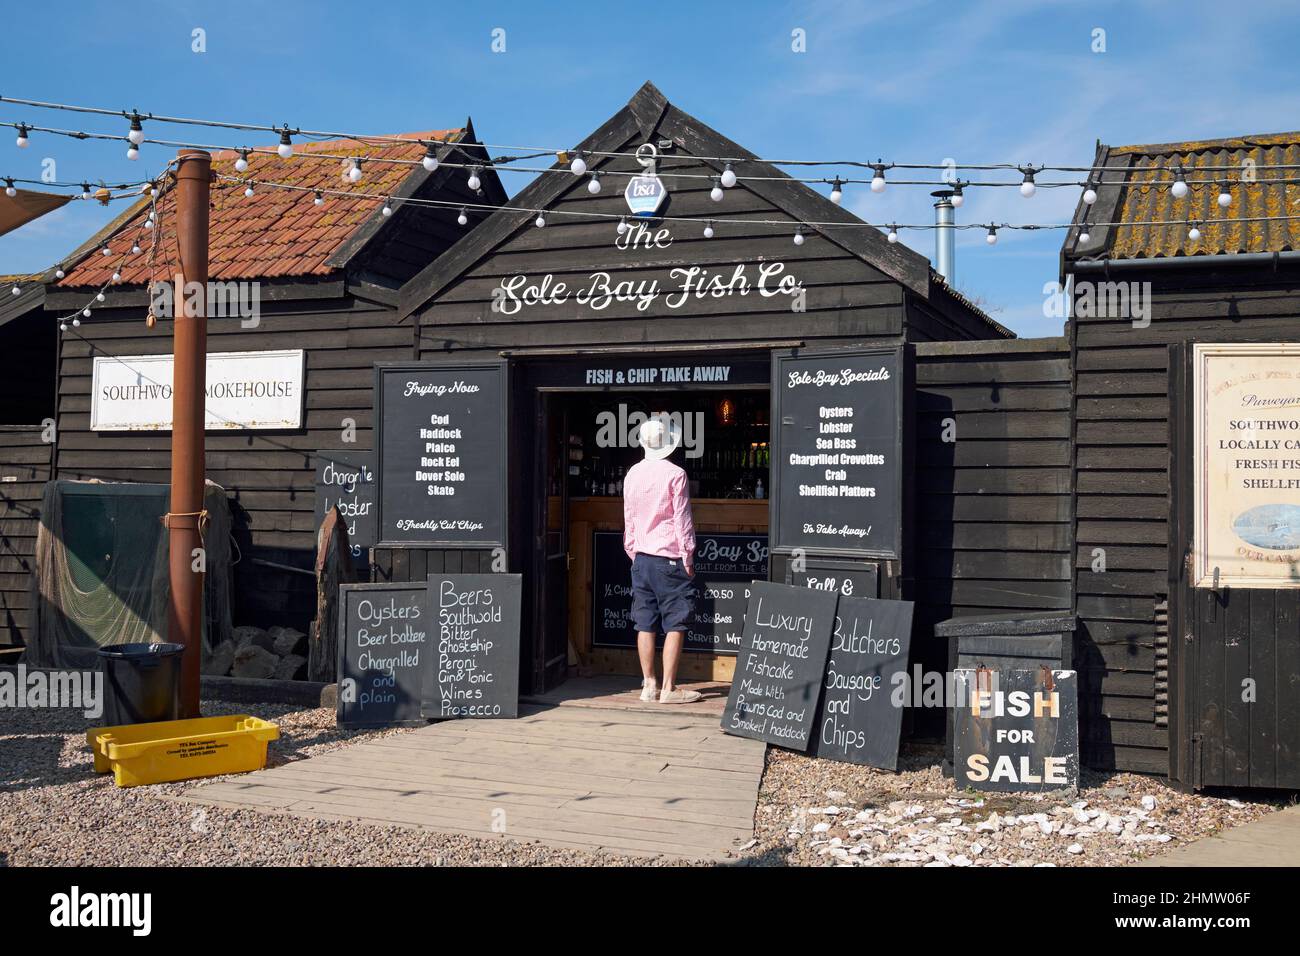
[(649, 690), (679, 696)]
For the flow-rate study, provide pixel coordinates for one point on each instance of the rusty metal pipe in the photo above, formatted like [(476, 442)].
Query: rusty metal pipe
[(190, 348)]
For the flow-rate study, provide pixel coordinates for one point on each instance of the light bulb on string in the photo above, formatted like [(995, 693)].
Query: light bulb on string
[(10, 190), (540, 221), (285, 149), (579, 165), (117, 277), (1084, 235), (248, 192), (1194, 233), (878, 179), (85, 190), (474, 182), (728, 177), (148, 223), (1225, 196), (958, 197), (388, 209), (1027, 185), (992, 237), (99, 297), (17, 291), (133, 152), (593, 186), (892, 236), (716, 192), (135, 248), (63, 326), (319, 200), (1089, 194), (241, 164), (106, 251), (798, 235), (59, 273), (837, 190), (462, 218), (430, 160), (622, 225), (1179, 188), (23, 130), (354, 174), (136, 133), (708, 230), (85, 312)]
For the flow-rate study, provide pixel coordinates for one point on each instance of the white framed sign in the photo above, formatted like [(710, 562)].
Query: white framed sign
[(1247, 465), (246, 391)]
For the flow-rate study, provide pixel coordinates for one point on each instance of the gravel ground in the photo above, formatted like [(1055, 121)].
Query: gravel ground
[(55, 810), (819, 812)]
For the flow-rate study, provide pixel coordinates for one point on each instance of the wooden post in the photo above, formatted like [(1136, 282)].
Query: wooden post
[(185, 612)]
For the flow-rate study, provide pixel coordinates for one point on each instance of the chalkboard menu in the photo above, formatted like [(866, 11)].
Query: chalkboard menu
[(442, 454), (849, 578), (779, 668), (724, 566), (346, 478), (474, 672), (384, 648), (857, 719), (1015, 730), (836, 480)]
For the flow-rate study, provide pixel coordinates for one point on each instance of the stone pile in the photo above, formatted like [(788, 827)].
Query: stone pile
[(278, 653)]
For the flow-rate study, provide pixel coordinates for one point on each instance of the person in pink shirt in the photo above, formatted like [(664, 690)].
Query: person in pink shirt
[(659, 538)]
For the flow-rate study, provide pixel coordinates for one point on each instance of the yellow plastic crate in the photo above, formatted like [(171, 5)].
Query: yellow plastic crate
[(181, 749)]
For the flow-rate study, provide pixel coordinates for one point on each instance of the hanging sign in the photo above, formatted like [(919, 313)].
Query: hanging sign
[(645, 193), (1247, 450), (243, 391), (1015, 729)]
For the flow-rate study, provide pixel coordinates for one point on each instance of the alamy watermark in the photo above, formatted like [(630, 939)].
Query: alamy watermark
[(216, 300), (42, 689), (621, 428), (1127, 301)]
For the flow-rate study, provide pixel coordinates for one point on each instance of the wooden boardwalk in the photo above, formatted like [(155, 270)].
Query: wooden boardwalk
[(637, 782)]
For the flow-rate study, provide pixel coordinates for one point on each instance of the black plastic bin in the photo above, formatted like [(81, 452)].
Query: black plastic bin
[(142, 683)]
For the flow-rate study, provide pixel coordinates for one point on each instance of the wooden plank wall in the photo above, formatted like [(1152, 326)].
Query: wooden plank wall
[(24, 469), (269, 476), (993, 483), (1122, 479)]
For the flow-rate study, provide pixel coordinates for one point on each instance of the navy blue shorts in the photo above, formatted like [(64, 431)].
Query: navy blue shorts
[(663, 596)]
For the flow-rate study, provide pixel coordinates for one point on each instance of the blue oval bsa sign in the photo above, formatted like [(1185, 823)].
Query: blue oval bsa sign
[(644, 195)]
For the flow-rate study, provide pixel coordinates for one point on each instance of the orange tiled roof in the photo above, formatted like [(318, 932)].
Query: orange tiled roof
[(274, 233), (1147, 198)]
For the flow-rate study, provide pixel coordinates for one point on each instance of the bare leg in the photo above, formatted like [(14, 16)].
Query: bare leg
[(672, 654), (645, 649)]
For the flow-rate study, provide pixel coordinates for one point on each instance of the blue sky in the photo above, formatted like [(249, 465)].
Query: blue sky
[(998, 81)]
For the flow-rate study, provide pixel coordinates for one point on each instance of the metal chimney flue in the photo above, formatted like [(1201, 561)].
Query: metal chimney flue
[(945, 235)]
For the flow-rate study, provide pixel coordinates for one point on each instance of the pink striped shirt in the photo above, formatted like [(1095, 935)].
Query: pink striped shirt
[(657, 511)]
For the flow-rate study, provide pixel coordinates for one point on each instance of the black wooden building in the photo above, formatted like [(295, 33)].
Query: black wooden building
[(1164, 663), (486, 300), (326, 277)]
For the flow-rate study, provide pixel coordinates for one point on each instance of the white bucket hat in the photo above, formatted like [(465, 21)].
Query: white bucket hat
[(659, 435)]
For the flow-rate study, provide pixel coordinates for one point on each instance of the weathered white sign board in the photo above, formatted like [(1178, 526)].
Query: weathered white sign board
[(246, 391)]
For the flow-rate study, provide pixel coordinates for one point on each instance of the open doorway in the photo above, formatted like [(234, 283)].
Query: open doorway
[(584, 589)]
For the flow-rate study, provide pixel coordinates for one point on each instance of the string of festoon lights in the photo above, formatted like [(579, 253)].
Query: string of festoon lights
[(390, 203), (1171, 174), (149, 229)]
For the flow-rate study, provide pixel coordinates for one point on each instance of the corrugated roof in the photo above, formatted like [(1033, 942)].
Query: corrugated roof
[(275, 233), (1146, 198)]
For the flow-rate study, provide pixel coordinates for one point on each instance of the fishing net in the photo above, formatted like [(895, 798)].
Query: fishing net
[(102, 570)]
